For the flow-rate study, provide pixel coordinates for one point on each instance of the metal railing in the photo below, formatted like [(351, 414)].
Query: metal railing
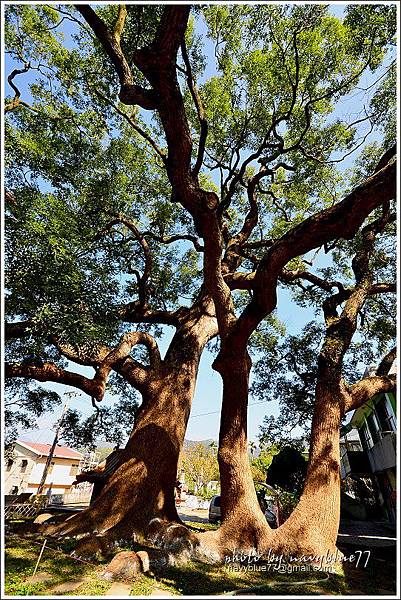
[(19, 511)]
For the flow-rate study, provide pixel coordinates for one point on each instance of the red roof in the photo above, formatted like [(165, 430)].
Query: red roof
[(59, 451)]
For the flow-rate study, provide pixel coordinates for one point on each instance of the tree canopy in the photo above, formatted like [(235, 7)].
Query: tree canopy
[(100, 231)]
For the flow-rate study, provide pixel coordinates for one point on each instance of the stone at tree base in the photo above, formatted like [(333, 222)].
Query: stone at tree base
[(156, 530), (145, 560), (178, 542), (181, 534), (125, 566), (39, 577), (43, 517)]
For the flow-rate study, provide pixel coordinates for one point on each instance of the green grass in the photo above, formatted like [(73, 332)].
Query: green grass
[(191, 579), (201, 526), (198, 578), (20, 560)]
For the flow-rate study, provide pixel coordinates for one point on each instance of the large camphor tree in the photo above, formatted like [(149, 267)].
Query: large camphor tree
[(333, 378), (257, 191), (322, 374), (92, 251)]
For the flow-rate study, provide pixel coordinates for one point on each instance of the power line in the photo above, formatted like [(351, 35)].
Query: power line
[(216, 412), (49, 423)]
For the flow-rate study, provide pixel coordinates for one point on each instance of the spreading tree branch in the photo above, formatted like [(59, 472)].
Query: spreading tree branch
[(339, 221), (134, 125), (142, 280), (294, 275), (130, 93), (51, 372), (387, 362), (17, 329), (134, 312), (176, 238), (199, 109), (119, 26), (367, 388), (17, 94)]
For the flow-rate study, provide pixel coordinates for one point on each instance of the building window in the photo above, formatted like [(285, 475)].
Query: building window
[(385, 419), (50, 469), (10, 463), (24, 464), (74, 469), (354, 446), (366, 438), (373, 428)]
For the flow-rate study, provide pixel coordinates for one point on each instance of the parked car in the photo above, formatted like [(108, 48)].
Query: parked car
[(214, 510), (268, 501)]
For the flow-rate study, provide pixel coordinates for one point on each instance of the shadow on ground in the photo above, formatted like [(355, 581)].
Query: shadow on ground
[(59, 569)]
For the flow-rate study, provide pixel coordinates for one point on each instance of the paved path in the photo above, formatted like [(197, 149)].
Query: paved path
[(372, 534), (39, 577), (68, 586), (119, 589), (196, 515)]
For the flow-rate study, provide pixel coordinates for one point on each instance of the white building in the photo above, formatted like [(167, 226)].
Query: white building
[(24, 470)]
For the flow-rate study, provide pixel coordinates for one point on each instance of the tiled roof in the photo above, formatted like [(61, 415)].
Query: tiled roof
[(43, 449)]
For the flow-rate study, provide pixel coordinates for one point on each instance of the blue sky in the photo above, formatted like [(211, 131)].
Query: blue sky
[(204, 419)]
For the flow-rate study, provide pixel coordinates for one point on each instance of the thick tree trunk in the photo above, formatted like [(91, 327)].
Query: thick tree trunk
[(312, 528), (243, 523), (143, 486)]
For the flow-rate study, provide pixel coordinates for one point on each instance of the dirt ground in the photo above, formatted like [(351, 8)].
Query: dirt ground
[(197, 515)]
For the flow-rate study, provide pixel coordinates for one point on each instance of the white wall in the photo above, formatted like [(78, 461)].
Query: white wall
[(60, 478), (15, 477), (60, 474)]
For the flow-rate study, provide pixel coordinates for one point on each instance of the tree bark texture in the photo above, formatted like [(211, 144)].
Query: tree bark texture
[(312, 527), (143, 486), (243, 523)]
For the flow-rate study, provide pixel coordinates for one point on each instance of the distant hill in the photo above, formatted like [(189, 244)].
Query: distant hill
[(206, 443), (104, 448)]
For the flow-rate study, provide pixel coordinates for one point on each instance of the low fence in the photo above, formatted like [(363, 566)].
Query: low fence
[(21, 511), (195, 502), (71, 498)]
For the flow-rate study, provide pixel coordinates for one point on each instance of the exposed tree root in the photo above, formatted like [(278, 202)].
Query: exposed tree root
[(122, 510), (179, 544)]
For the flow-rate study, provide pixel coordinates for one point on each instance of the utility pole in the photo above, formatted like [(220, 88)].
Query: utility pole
[(54, 444)]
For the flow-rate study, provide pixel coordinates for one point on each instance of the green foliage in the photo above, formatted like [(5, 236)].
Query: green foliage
[(261, 463), (205, 493), (294, 64), (111, 424), (375, 20), (26, 402), (287, 471), (74, 161), (287, 373), (383, 106), (288, 501), (200, 466)]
